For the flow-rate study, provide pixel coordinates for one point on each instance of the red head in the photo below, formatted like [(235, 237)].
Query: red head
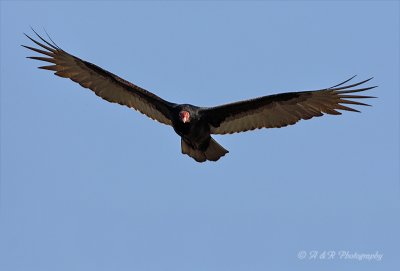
[(184, 116)]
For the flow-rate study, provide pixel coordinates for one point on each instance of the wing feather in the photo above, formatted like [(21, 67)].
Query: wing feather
[(104, 84), (284, 109)]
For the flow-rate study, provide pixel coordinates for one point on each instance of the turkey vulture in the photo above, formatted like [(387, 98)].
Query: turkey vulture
[(196, 124)]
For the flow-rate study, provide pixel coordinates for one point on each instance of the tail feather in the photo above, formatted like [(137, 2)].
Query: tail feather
[(213, 152), (195, 154)]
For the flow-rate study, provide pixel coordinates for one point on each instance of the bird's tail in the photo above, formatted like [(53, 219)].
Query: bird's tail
[(213, 152)]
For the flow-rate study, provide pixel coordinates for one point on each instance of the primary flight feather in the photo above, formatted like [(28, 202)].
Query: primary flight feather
[(196, 124)]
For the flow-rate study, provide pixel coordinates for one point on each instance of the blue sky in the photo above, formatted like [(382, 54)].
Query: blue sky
[(89, 185)]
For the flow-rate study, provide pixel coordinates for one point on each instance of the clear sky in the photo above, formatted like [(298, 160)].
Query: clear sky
[(89, 185)]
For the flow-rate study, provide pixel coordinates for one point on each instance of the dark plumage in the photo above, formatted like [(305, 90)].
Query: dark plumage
[(196, 124)]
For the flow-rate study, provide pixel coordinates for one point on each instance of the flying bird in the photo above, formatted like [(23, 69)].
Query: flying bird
[(195, 124)]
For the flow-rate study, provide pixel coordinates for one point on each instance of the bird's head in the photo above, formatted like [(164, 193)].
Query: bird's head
[(184, 116)]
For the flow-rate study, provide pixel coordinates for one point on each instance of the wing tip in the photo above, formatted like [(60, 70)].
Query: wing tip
[(347, 88), (46, 45)]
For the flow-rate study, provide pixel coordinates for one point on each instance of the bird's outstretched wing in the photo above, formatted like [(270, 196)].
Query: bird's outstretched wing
[(284, 109), (103, 83)]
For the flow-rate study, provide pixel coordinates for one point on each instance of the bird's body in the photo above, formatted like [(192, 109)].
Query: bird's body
[(194, 124), (195, 135)]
